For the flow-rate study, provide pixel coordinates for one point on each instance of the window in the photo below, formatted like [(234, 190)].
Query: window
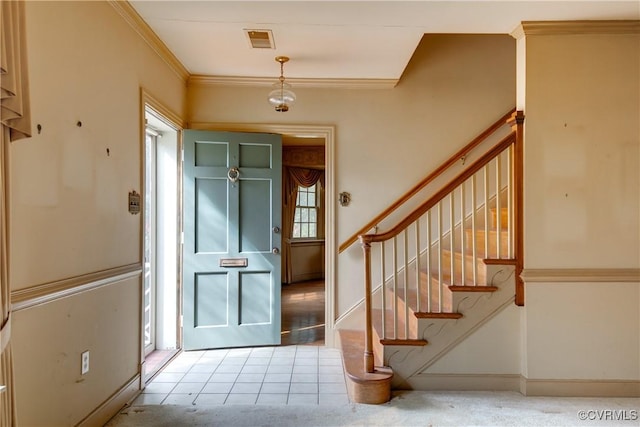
[(305, 221)]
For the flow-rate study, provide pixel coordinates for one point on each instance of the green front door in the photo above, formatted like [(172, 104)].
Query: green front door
[(231, 253)]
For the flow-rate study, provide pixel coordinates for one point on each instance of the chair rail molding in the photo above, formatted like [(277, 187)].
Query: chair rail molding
[(572, 275)]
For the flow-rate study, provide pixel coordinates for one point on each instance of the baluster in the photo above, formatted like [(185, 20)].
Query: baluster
[(486, 211), (418, 284), (394, 265), (451, 236), (473, 229), (498, 206), (462, 228), (428, 233), (384, 290), (405, 279), (440, 257), (510, 201)]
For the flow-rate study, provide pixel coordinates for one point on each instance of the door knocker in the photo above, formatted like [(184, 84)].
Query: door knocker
[(233, 174)]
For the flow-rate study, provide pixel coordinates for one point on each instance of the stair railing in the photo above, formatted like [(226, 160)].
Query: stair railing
[(431, 177), (437, 247)]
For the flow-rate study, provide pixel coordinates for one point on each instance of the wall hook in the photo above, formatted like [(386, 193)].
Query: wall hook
[(79, 124), (39, 127)]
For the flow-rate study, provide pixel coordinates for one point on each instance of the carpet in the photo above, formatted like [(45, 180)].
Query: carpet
[(406, 408)]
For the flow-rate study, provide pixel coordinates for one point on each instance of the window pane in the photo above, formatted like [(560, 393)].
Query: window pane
[(304, 230), (311, 199), (312, 230), (313, 215), (302, 199), (296, 230), (296, 217)]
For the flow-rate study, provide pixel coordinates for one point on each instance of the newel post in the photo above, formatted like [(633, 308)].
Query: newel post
[(517, 124), (368, 341)]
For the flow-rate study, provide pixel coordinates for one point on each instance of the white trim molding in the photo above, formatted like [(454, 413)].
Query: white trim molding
[(115, 403), (336, 83), (48, 292), (548, 28), (138, 24), (579, 388), (572, 275), (467, 382)]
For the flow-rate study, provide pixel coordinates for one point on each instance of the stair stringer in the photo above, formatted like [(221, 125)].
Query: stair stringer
[(443, 335)]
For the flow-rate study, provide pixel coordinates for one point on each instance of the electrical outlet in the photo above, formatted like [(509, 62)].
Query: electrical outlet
[(85, 362)]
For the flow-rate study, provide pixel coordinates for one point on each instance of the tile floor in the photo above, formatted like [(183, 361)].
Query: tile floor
[(285, 375)]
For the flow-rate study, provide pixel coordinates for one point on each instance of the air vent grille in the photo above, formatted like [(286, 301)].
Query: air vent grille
[(260, 39)]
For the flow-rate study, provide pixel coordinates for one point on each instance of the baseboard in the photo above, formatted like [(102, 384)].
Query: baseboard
[(466, 382), (528, 387), (580, 388), (115, 403)]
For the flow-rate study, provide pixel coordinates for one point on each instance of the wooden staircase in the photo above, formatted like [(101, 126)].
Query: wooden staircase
[(438, 294)]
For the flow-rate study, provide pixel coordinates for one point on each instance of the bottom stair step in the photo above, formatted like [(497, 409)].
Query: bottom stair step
[(364, 387)]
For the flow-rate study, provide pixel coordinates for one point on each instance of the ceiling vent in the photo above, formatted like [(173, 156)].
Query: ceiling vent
[(260, 39)]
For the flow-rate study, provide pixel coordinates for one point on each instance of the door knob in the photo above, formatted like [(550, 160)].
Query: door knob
[(275, 251)]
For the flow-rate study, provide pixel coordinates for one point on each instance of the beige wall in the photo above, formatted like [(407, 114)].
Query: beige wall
[(387, 140), (582, 151), (582, 204), (494, 348), (69, 204), (48, 340)]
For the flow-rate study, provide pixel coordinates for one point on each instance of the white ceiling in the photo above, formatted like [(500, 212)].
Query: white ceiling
[(340, 39)]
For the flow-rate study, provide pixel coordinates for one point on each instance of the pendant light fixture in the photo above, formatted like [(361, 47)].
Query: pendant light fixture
[(281, 97)]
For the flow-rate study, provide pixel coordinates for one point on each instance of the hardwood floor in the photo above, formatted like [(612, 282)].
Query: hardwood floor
[(303, 313)]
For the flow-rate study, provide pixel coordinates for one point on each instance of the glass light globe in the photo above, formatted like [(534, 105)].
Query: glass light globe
[(281, 97)]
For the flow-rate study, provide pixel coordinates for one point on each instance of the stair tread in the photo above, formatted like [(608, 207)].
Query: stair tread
[(434, 315)]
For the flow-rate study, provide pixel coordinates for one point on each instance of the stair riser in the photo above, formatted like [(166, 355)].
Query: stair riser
[(469, 263), (504, 218), (480, 242)]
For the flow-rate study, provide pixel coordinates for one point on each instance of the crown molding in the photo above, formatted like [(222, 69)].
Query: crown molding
[(136, 22), (543, 28), (198, 79)]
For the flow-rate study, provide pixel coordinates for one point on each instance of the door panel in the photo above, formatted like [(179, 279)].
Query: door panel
[(231, 271), (255, 216), (211, 211)]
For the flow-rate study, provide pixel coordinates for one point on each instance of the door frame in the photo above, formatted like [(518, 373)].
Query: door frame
[(305, 131), (173, 120)]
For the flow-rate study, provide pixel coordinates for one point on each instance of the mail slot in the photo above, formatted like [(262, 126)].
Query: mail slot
[(234, 262)]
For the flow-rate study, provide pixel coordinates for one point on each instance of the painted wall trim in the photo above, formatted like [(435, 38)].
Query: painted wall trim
[(580, 388), (111, 406), (571, 275), (528, 387), (169, 116), (136, 22), (467, 382), (47, 292), (336, 83), (542, 28)]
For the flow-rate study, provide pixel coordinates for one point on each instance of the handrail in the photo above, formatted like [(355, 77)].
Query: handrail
[(432, 201), (428, 179)]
